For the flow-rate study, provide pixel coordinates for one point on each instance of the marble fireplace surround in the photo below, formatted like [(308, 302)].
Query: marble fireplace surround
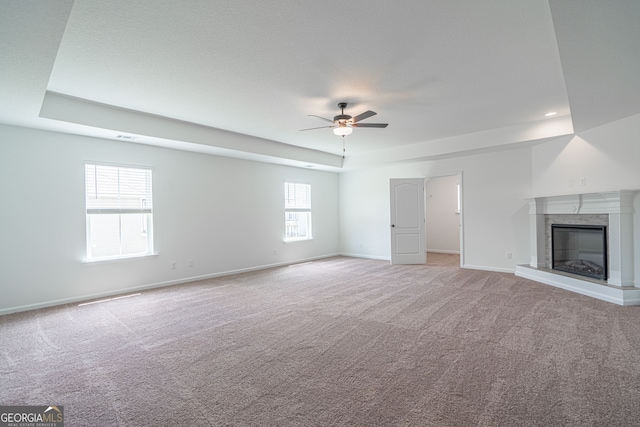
[(616, 207)]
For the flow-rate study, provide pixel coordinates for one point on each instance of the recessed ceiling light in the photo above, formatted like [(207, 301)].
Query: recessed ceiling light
[(551, 113)]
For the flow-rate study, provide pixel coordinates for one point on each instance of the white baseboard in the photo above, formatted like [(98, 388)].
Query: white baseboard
[(108, 294), (484, 268), (381, 258)]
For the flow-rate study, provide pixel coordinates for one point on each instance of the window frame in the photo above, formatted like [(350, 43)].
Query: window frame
[(292, 210), (146, 210)]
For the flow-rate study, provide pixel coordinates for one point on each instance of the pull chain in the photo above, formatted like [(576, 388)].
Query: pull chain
[(343, 149)]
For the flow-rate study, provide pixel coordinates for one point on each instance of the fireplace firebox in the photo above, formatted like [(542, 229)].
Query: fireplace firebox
[(580, 249)]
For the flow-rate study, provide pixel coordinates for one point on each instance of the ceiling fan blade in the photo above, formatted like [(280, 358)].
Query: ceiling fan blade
[(370, 125), (321, 127), (326, 120), (363, 116)]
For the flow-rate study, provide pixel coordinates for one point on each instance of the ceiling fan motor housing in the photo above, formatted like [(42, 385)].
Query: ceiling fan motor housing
[(342, 118)]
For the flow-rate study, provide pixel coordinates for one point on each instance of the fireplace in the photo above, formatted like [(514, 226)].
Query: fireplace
[(579, 249), (614, 213)]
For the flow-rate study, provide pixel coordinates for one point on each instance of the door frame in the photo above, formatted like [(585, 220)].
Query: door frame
[(461, 215)]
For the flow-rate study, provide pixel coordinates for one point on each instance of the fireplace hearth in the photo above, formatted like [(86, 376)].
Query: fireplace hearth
[(580, 249)]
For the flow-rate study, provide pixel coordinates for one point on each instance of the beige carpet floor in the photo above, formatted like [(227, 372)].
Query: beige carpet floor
[(336, 342)]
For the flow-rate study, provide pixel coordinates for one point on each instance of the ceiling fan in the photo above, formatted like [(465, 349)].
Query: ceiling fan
[(343, 124)]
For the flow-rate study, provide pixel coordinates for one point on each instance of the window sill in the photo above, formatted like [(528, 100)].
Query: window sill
[(297, 240), (114, 260)]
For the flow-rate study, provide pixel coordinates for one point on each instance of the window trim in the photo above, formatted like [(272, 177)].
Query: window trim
[(298, 210), (105, 260), (148, 232)]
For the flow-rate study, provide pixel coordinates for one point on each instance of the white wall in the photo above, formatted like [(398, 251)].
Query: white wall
[(224, 214), (443, 220), (199, 215), (606, 157), (495, 214)]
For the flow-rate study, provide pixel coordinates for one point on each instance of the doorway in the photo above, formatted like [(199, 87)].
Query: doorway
[(443, 213), (426, 215)]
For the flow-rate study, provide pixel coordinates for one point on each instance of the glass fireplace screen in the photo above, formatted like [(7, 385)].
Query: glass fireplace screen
[(580, 249)]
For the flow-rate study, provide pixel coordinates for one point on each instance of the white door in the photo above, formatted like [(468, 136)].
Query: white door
[(408, 245)]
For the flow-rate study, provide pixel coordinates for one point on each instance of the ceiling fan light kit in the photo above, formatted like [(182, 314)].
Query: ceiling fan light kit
[(343, 129)]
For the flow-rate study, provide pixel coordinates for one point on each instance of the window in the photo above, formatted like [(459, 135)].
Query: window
[(119, 212), (297, 211)]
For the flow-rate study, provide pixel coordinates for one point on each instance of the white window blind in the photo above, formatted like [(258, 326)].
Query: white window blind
[(297, 207), (119, 211)]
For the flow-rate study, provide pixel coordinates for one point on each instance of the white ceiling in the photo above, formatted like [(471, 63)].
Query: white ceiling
[(449, 77)]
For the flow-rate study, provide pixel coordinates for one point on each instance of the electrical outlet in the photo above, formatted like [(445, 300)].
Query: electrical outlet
[(275, 252), (583, 181), (509, 255), (174, 265), (190, 263)]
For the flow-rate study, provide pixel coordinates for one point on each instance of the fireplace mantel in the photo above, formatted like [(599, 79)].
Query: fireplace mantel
[(621, 286), (610, 202)]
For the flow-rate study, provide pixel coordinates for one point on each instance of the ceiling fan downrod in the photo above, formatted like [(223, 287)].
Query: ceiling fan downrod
[(342, 117)]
